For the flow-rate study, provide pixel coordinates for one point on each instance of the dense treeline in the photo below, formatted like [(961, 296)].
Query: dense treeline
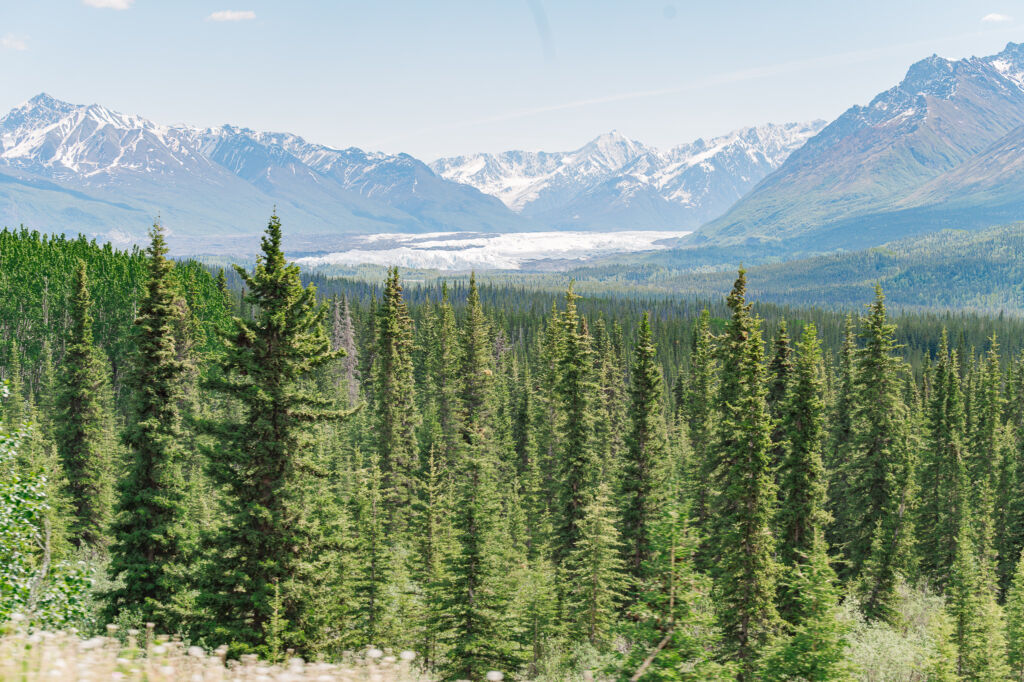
[(954, 269), (503, 481)]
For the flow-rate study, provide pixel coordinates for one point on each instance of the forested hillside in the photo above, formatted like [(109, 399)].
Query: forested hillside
[(505, 479)]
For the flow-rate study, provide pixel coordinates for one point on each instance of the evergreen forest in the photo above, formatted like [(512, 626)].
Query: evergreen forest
[(547, 484)]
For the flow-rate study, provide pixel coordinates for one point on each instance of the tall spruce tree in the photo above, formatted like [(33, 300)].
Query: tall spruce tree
[(943, 474), (444, 378), (701, 394), (978, 628), (276, 556), (394, 407), (82, 423), (815, 648), (839, 440), (802, 515), (577, 390), (476, 608), (745, 494), (595, 571), (780, 371), (150, 532), (880, 466), (647, 452), (14, 407), (1009, 507)]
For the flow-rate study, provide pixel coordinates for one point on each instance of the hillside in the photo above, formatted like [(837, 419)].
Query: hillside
[(951, 269), (901, 165)]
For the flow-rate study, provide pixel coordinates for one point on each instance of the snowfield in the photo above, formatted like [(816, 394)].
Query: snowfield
[(508, 251)]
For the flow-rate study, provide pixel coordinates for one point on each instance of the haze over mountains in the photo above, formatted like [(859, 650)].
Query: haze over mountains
[(85, 168)]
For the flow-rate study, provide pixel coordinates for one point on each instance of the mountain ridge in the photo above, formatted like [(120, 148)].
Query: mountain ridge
[(875, 162), (600, 182)]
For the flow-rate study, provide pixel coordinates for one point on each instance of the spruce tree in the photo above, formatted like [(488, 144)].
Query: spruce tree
[(13, 408), (978, 629), (373, 567), (646, 453), (343, 337), (701, 395), (81, 423), (578, 392), (802, 517), (595, 572), (815, 648), (780, 371), (983, 465), (276, 555), (150, 536), (837, 455), (672, 625), (394, 407), (880, 466), (443, 361), (1009, 508), (745, 494), (1015, 622), (612, 423), (476, 607), (943, 474)]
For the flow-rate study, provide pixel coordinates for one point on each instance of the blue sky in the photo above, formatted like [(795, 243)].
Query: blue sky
[(439, 77)]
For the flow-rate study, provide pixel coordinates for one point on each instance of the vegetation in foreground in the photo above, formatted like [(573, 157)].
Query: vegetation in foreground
[(140, 656)]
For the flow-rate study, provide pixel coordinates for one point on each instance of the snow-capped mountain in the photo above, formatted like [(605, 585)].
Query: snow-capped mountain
[(914, 159), (67, 167), (613, 181)]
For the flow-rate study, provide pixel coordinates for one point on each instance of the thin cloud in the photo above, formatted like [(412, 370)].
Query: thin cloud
[(996, 18), (232, 15), (110, 4), (13, 42)]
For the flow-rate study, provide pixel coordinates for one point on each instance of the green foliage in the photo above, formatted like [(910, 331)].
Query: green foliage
[(84, 424), (595, 572), (977, 619), (283, 530), (647, 453), (394, 402), (880, 468), (744, 502), (48, 594), (815, 648), (150, 537), (524, 503)]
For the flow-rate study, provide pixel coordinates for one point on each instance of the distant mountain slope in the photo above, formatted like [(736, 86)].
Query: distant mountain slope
[(895, 166), (615, 182), (955, 269), (66, 167)]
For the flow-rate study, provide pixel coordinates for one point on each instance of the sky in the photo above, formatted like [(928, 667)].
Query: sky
[(444, 77)]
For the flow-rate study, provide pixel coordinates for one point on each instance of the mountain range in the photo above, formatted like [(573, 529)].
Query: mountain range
[(614, 182), (942, 149), (84, 168), (66, 167)]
